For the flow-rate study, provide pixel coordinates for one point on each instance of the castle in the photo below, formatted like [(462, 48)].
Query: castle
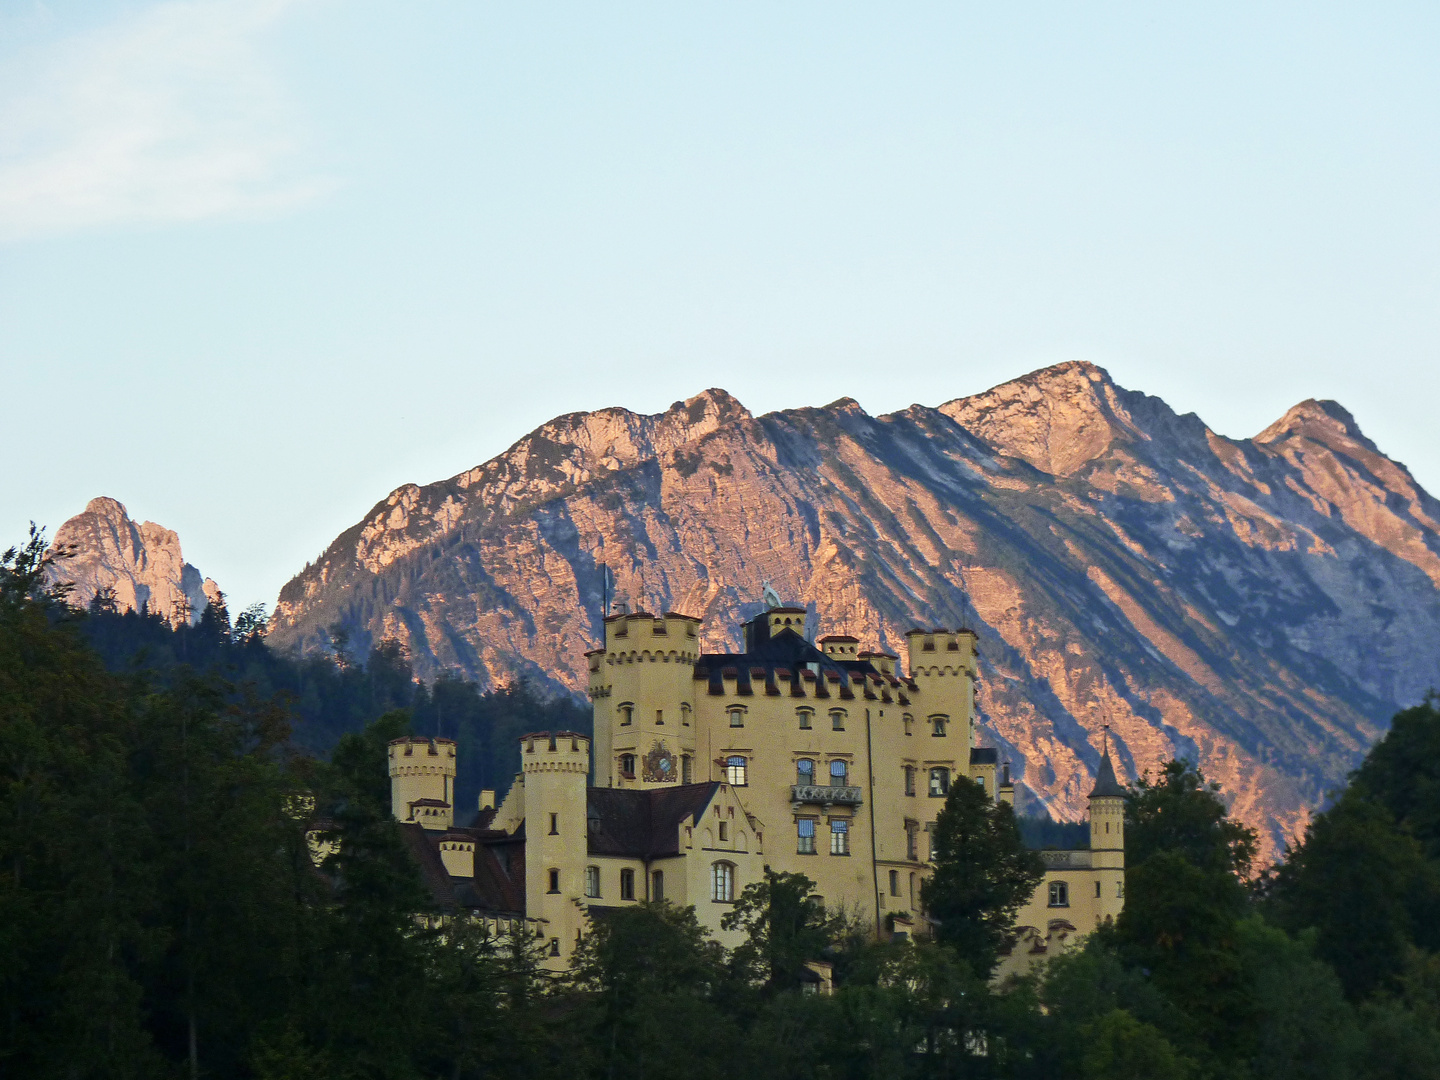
[(706, 768)]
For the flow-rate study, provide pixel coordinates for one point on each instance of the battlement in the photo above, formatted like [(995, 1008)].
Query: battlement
[(626, 632), (882, 662), (415, 755), (555, 751), (940, 651)]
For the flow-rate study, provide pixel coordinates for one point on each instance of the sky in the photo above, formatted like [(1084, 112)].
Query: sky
[(263, 261)]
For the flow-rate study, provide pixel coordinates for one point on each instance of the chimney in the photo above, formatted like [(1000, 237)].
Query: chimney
[(487, 798)]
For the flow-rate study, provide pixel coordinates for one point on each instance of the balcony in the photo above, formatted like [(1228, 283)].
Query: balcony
[(825, 795)]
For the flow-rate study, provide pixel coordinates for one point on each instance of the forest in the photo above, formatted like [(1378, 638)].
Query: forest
[(160, 914)]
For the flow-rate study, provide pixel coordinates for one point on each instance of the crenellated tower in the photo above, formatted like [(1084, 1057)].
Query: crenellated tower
[(642, 685), (422, 781), (942, 663), (555, 767)]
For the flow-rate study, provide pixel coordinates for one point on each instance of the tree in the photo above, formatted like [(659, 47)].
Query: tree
[(1364, 886), (649, 980), (785, 925), (983, 874), (1184, 895)]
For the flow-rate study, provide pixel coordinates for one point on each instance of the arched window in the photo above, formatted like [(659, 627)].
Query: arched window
[(657, 889), (839, 774), (804, 772), (894, 882), (722, 882), (837, 719), (627, 766), (939, 782), (806, 718), (937, 724), (737, 716), (735, 771), (592, 881), (1059, 894), (627, 714), (627, 884)]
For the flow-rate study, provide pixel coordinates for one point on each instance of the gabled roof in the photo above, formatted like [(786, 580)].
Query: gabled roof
[(643, 823)]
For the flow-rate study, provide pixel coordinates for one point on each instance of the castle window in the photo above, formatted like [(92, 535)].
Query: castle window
[(554, 824), (735, 771), (1059, 894), (894, 882), (627, 714), (685, 714), (909, 779), (839, 837), (939, 782), (724, 831), (934, 852), (687, 769), (912, 840), (839, 774), (938, 726), (837, 719), (554, 881), (627, 766), (657, 889), (627, 884), (805, 836), (722, 882), (805, 716), (659, 717), (1097, 890), (907, 720), (554, 946), (804, 772), (737, 716), (592, 881)]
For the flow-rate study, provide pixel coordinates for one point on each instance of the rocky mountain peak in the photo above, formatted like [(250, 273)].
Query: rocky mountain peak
[(1058, 418), (1325, 422), (141, 564)]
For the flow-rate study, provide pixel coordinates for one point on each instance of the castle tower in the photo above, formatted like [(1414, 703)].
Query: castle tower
[(642, 684), (942, 663), (1107, 837), (422, 781), (555, 768)]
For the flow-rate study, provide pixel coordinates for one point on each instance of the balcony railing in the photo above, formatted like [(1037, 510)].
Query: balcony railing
[(825, 794)]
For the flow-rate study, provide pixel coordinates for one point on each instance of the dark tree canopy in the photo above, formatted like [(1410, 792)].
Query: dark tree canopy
[(983, 874)]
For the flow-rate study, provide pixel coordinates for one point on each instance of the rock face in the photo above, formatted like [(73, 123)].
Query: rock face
[(1264, 605), (141, 563)]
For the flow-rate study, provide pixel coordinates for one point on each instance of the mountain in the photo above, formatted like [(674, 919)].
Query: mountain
[(1263, 605), (141, 564)]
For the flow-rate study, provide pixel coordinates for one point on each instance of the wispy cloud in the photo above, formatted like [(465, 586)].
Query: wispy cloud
[(170, 114)]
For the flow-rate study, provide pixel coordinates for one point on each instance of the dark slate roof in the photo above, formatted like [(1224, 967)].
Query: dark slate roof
[(1106, 786), (498, 887), (787, 663), (984, 755), (643, 823)]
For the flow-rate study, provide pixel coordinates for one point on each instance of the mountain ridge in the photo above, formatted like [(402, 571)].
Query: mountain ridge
[(1262, 604)]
